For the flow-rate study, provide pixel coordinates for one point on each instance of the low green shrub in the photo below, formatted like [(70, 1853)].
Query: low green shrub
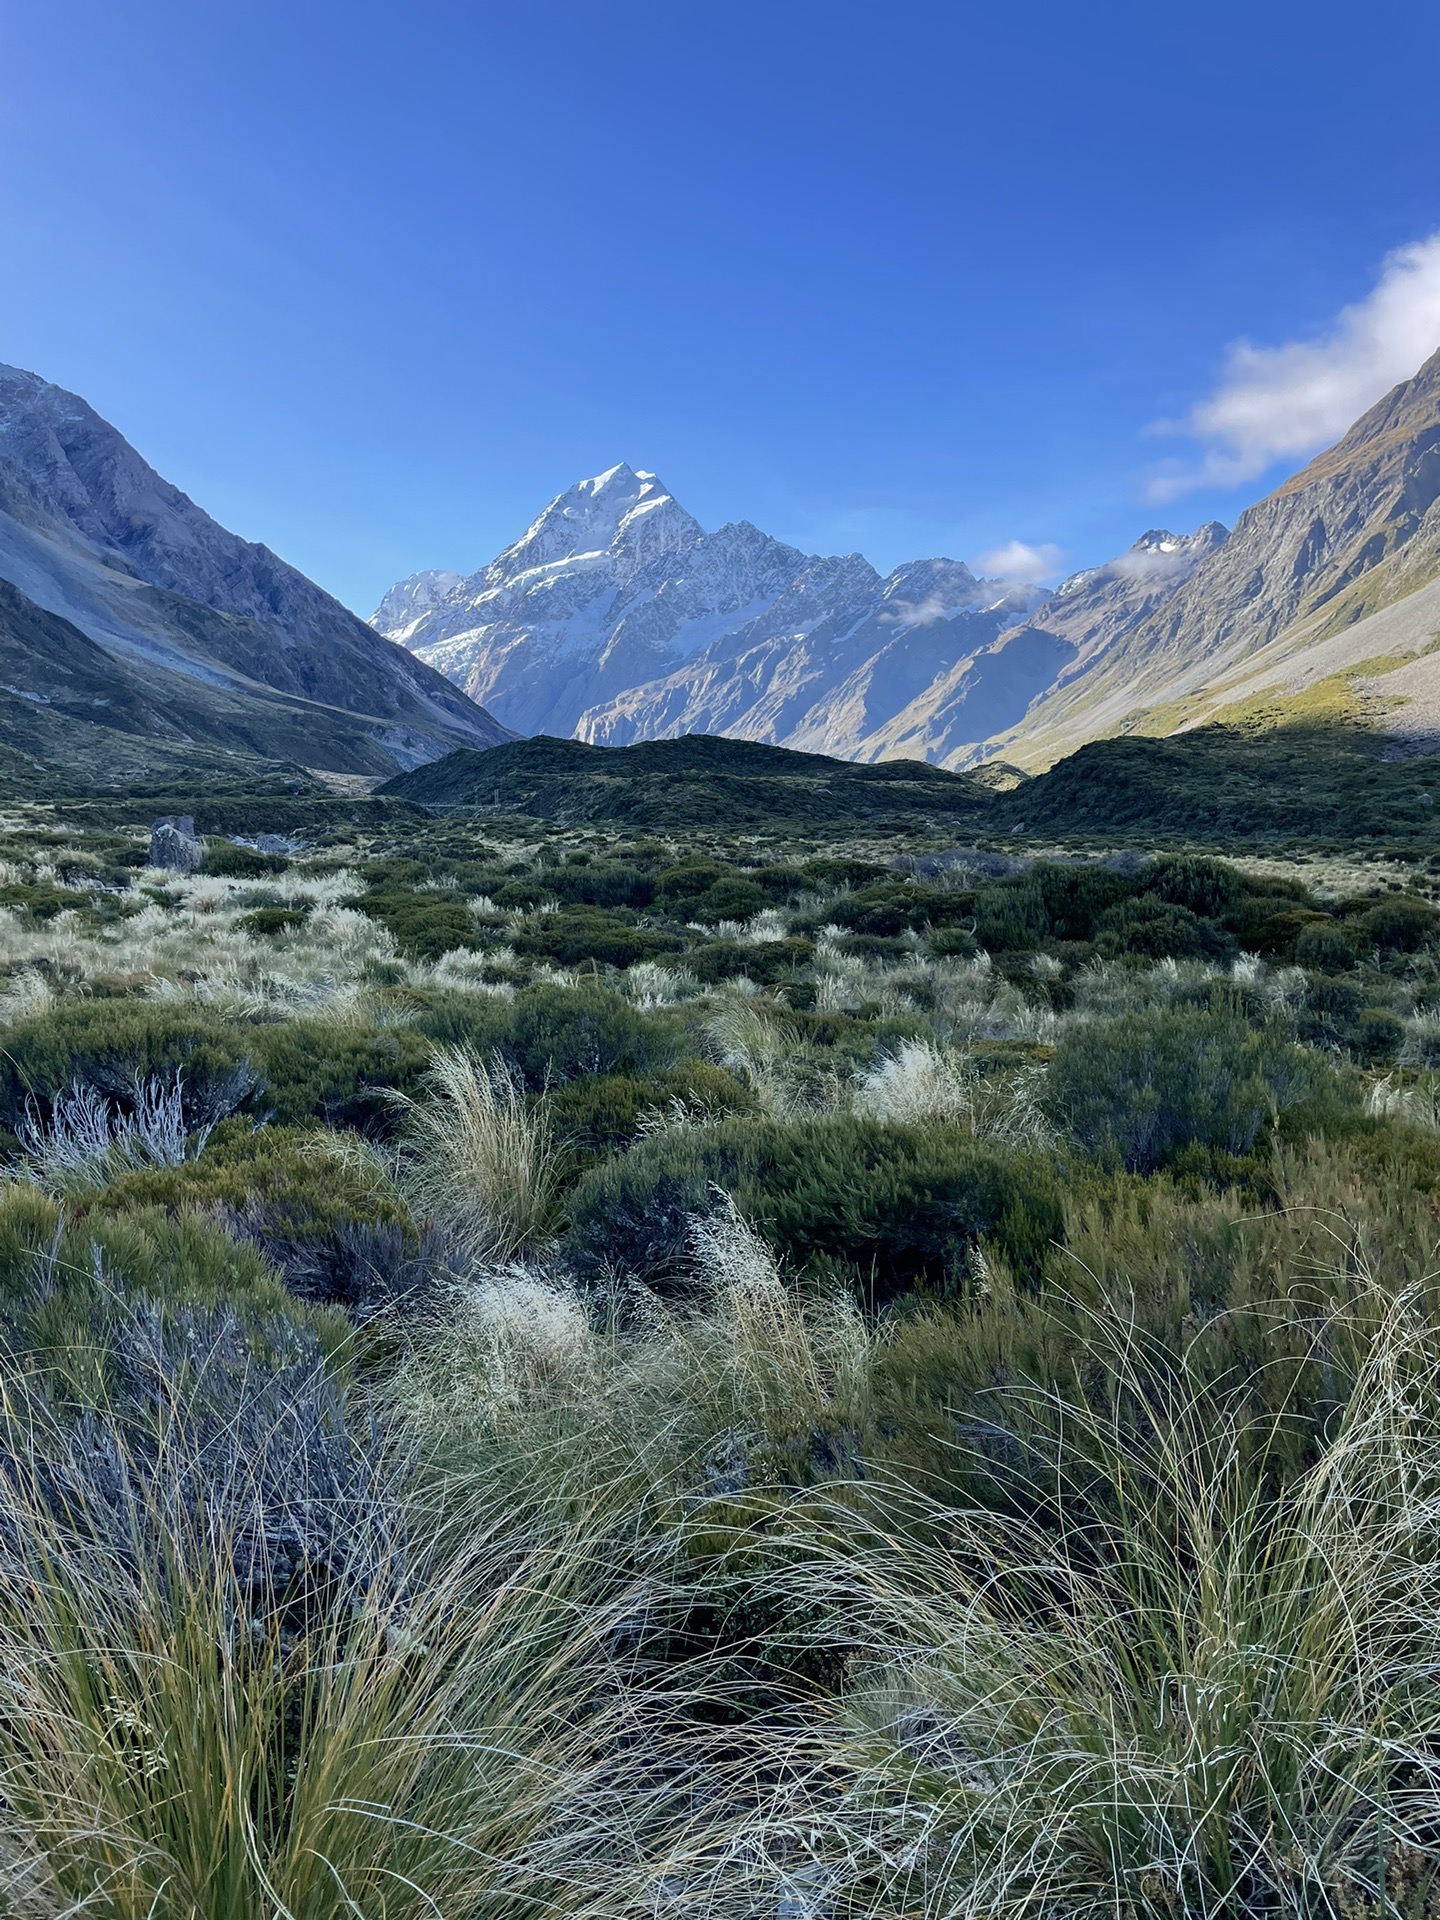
[(1400, 923), (1329, 947), (766, 962), (1154, 929), (554, 1033), (64, 1280), (334, 1074), (230, 862), (109, 1043), (424, 925), (890, 1207), (1209, 888), (1137, 1089), (304, 1183), (266, 922), (576, 935), (601, 1112)]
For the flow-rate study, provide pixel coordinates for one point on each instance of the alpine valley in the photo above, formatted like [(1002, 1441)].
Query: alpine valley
[(616, 618)]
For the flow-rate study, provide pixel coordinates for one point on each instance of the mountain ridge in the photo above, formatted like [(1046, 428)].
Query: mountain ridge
[(578, 629), (91, 535)]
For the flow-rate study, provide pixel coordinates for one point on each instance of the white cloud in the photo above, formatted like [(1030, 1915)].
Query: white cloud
[(916, 613), (1018, 560), (1282, 402)]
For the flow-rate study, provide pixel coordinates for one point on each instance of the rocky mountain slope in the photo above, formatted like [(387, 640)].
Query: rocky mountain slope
[(616, 618), (1320, 577), (195, 635)]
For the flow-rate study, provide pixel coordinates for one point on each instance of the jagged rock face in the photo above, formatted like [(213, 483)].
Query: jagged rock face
[(1351, 534), (89, 532), (616, 618)]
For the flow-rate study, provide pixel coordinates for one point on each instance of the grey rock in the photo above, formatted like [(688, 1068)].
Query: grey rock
[(173, 845)]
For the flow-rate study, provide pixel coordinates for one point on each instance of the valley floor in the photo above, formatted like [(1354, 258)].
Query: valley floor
[(616, 1367)]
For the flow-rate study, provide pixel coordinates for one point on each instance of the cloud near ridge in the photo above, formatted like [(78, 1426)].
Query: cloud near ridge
[(1277, 402), (1018, 560)]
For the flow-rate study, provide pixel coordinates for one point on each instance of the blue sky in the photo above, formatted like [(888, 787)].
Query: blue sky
[(373, 282)]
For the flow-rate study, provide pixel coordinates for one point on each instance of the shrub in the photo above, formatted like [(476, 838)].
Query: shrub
[(890, 1206), (1270, 924), (1208, 888), (1328, 947), (230, 862), (305, 1183), (730, 899), (766, 962), (578, 934), (1010, 916), (1379, 1035), (1159, 930), (1400, 923), (266, 922), (556, 1033), (111, 1045), (339, 1075), (1077, 896), (424, 925), (1139, 1088), (63, 1282), (601, 1112)]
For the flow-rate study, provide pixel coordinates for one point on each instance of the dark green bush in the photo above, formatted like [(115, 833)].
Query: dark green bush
[(424, 925), (577, 934), (1156, 929), (41, 902), (1400, 923), (1270, 924), (108, 1043), (286, 1170), (1077, 896), (1010, 916), (891, 1207), (266, 922), (1329, 947), (1378, 1037), (316, 1070), (1138, 1089), (1202, 886), (556, 1033), (239, 863), (767, 962), (600, 1112)]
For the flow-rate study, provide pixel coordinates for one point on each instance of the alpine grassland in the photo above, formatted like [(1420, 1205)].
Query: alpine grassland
[(748, 1354)]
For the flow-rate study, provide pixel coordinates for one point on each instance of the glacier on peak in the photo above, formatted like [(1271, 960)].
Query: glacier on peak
[(616, 617)]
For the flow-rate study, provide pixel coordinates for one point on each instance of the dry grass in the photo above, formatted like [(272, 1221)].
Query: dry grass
[(479, 1157)]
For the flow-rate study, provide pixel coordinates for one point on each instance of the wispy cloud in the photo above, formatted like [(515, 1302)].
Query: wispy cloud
[(916, 613), (1274, 403), (1018, 560)]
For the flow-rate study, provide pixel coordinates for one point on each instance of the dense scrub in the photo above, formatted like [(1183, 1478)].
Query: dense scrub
[(583, 1372)]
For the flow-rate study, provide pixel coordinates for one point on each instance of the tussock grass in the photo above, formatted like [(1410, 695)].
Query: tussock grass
[(479, 1156), (203, 1712), (920, 1081), (1146, 1681)]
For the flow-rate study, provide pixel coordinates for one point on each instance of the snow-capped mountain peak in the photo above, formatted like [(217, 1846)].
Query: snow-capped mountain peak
[(620, 513), (616, 617)]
